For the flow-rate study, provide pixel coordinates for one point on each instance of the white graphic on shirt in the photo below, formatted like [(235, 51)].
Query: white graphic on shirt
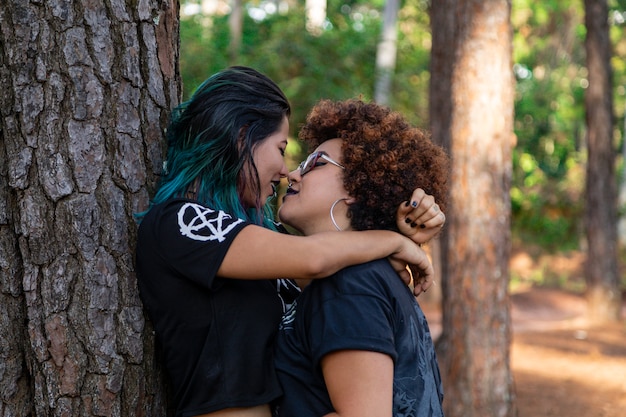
[(201, 223), (286, 322), (287, 292)]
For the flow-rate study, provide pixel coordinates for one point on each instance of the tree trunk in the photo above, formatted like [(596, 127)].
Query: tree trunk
[(386, 53), (235, 24), (315, 16), (86, 91), (621, 196), (471, 104), (601, 268)]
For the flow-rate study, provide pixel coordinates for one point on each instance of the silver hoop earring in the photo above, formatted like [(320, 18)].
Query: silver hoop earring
[(332, 216)]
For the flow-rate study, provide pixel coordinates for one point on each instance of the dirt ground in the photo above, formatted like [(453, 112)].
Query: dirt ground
[(562, 366)]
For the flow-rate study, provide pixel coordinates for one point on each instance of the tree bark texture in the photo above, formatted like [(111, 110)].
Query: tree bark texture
[(86, 91), (472, 93), (601, 267)]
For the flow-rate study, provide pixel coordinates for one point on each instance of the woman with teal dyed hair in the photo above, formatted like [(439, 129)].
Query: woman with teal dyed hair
[(211, 263)]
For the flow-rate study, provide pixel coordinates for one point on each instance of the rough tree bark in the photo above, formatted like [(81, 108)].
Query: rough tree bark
[(601, 268), (471, 104), (86, 92)]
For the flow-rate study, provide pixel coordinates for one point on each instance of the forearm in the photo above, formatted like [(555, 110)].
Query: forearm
[(337, 250), (258, 253)]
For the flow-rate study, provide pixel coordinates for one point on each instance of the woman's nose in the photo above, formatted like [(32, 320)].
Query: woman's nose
[(294, 176)]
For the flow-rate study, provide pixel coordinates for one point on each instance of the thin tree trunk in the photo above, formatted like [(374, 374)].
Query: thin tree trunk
[(601, 268), (621, 230), (386, 53), (315, 16), (235, 24), (86, 92), (471, 112)]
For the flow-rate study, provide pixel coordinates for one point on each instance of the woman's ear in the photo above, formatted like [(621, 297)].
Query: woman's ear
[(350, 200)]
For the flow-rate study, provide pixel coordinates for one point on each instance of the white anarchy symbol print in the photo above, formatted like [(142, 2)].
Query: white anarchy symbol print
[(201, 223)]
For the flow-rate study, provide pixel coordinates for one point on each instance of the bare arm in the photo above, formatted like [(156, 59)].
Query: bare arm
[(259, 253), (360, 383)]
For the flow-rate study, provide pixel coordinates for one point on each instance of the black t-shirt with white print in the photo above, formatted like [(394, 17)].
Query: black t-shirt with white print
[(363, 307), (216, 334)]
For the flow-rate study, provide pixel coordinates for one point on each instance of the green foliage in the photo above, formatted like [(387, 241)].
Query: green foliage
[(203, 42), (549, 57), (549, 123), (337, 64), (548, 178), (545, 212)]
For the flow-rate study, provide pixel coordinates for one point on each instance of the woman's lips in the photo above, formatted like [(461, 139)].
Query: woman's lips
[(290, 191)]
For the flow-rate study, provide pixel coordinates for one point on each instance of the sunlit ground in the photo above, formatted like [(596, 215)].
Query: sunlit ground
[(562, 366)]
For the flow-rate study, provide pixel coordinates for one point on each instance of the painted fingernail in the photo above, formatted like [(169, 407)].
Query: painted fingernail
[(422, 226), (414, 203), (407, 221), (413, 224), (406, 204)]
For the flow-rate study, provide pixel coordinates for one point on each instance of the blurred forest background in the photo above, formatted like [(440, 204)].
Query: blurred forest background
[(88, 87), (338, 61)]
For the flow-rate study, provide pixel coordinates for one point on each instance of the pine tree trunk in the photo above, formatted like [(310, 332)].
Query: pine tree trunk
[(86, 91), (315, 16), (386, 53), (472, 116), (621, 196), (235, 25), (601, 268)]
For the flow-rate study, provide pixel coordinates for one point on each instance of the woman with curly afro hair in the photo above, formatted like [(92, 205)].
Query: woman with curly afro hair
[(357, 343)]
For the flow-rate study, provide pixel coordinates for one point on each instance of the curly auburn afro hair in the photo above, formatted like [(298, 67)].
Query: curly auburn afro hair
[(385, 159)]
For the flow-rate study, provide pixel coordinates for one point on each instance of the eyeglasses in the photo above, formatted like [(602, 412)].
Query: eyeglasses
[(312, 161)]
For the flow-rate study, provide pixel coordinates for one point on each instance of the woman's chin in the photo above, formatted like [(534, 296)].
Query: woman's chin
[(285, 216)]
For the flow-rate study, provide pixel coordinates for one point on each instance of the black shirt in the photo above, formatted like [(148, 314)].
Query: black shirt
[(363, 307), (217, 334)]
